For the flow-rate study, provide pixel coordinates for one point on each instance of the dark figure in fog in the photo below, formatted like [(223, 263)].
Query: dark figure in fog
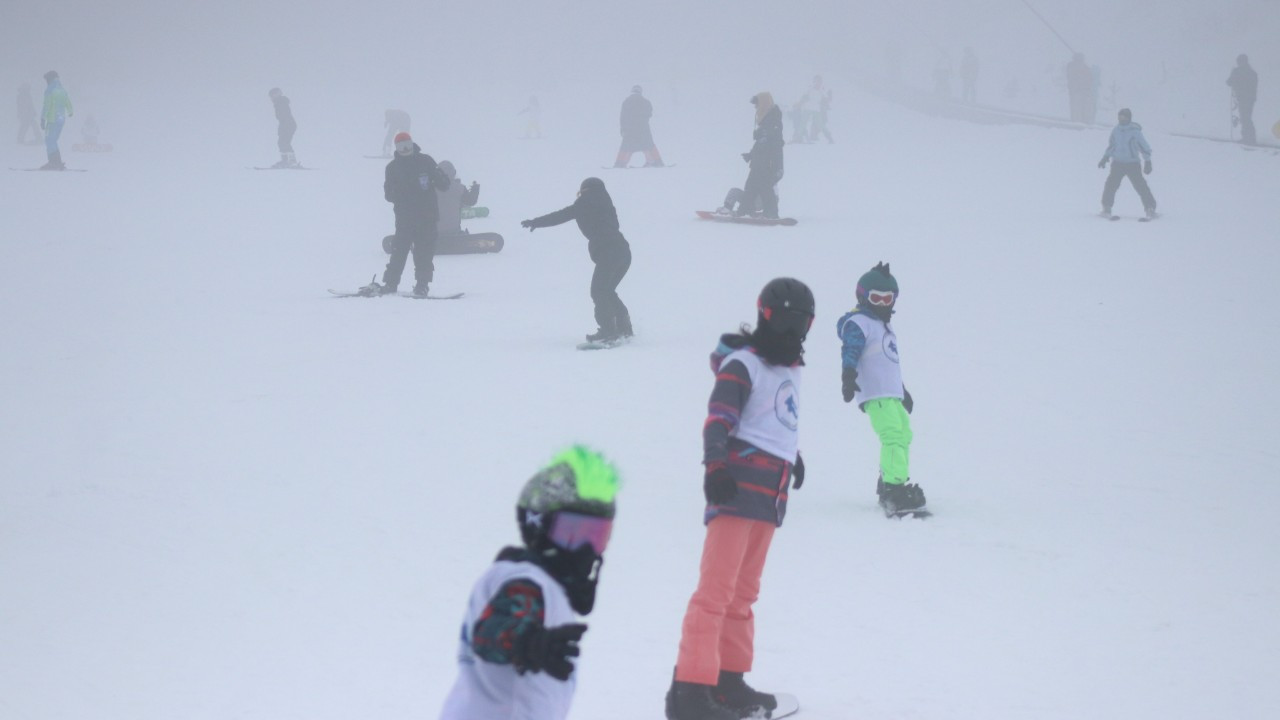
[(412, 181), (27, 122), (1081, 90), (609, 250), (636, 135), (286, 127), (452, 199), (765, 159), (818, 125), (1244, 86), (396, 122), (1130, 157), (969, 76)]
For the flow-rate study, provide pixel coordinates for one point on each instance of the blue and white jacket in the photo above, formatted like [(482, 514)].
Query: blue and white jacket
[(1127, 143)]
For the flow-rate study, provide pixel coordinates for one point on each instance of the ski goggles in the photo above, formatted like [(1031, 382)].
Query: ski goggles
[(570, 530), (404, 147), (791, 321), (883, 298)]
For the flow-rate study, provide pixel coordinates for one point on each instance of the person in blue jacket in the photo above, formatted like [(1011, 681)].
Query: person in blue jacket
[(1130, 156)]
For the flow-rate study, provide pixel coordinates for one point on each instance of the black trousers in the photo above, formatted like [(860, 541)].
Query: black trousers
[(1133, 171), (611, 312), (421, 241), (285, 136), (1248, 135), (759, 190)]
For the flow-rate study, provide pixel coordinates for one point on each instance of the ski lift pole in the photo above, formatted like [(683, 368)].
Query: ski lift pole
[(1051, 28)]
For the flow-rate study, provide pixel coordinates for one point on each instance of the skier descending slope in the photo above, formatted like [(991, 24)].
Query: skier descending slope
[(872, 375), (57, 108), (286, 126), (1124, 150), (750, 454), (609, 250), (521, 628)]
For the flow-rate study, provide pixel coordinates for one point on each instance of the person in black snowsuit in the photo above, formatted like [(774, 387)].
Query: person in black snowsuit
[(1244, 85), (412, 181), (609, 250), (287, 127), (1080, 90), (636, 135), (765, 159)]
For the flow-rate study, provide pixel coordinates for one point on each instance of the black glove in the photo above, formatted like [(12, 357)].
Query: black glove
[(907, 402), (548, 650), (849, 383), (797, 472), (719, 486), (1146, 167), (746, 157), (1102, 163), (527, 224)]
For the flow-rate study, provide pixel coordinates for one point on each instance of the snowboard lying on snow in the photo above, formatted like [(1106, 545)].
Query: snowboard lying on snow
[(744, 219), (464, 243)]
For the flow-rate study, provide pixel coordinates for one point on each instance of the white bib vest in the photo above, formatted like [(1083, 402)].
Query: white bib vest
[(488, 691), (879, 374), (771, 415)]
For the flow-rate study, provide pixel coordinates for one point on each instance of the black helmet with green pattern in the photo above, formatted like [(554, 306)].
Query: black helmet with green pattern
[(578, 482), (878, 290)]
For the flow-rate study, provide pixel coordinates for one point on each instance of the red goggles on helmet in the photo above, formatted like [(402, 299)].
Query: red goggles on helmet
[(788, 320), (570, 530), (883, 298)]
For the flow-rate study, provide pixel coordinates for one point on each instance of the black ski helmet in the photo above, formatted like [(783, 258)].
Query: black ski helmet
[(786, 306), (577, 480), (591, 183)]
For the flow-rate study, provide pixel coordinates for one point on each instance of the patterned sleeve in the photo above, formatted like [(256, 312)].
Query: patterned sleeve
[(852, 342), (514, 610), (728, 397)]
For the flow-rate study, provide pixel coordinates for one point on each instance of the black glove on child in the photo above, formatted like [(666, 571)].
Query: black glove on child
[(1102, 163), (548, 650), (718, 486), (907, 402), (797, 472), (527, 224), (849, 383), (1146, 167)]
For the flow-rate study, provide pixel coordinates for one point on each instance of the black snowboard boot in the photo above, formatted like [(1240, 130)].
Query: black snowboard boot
[(734, 693), (420, 291), (897, 498), (690, 701), (602, 335)]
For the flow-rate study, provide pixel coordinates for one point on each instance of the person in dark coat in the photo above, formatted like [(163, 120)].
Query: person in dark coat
[(412, 181), (765, 159), (287, 126), (1244, 85), (636, 135), (609, 250), (1080, 90)]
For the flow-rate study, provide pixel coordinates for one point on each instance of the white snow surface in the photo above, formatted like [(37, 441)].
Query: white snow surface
[(226, 495)]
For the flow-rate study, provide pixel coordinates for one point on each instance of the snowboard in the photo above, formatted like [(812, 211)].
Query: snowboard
[(295, 167), (464, 243), (378, 157), (788, 705), (900, 514), (1143, 219), (86, 147), (411, 296), (603, 344), (745, 219), (50, 171), (471, 213), (638, 167)]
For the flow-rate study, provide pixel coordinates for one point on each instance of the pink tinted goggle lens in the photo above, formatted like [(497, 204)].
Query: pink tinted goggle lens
[(571, 531), (875, 297)]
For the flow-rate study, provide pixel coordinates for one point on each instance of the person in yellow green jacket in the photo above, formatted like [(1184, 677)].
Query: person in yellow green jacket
[(57, 108)]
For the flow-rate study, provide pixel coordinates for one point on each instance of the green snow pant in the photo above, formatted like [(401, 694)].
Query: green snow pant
[(892, 424)]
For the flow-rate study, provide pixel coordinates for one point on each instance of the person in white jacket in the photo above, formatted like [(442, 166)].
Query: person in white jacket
[(522, 625)]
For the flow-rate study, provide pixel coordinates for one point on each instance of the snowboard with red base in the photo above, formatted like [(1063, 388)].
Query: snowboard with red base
[(744, 219)]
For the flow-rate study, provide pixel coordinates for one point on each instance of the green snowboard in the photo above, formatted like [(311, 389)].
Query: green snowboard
[(470, 213)]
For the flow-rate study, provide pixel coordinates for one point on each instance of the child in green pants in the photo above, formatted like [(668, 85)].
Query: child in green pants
[(871, 374)]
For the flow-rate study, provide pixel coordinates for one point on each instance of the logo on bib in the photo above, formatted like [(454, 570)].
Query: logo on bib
[(786, 405), (425, 181), (891, 347)]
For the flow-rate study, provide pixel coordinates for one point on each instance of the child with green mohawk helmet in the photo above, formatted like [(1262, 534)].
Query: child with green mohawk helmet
[(872, 376), (522, 628)]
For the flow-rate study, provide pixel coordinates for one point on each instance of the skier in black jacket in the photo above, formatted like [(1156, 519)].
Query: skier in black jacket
[(609, 250), (285, 129), (412, 181), (765, 159)]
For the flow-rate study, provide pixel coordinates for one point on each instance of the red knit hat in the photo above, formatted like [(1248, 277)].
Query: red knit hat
[(402, 136)]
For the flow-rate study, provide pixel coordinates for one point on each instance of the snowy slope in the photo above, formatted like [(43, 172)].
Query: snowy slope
[(224, 494)]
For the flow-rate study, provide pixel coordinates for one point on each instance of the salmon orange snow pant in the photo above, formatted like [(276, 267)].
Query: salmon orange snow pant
[(719, 627)]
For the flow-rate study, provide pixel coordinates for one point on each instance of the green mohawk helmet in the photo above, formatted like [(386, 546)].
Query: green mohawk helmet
[(878, 290), (577, 480)]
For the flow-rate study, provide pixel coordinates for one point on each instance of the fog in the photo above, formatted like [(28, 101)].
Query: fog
[(197, 73)]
